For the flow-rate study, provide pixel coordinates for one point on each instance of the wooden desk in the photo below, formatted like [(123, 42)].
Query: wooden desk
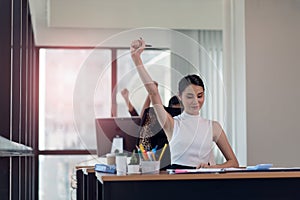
[(86, 180), (246, 185), (86, 184)]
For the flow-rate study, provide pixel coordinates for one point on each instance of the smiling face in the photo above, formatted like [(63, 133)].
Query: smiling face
[(192, 99)]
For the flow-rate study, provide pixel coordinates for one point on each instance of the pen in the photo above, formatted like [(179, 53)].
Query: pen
[(149, 155), (140, 154), (142, 148), (163, 151), (146, 45), (153, 156), (153, 152), (145, 155), (178, 171), (144, 152)]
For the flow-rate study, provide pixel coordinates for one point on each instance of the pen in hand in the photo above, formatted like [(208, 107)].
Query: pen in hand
[(138, 43), (146, 45)]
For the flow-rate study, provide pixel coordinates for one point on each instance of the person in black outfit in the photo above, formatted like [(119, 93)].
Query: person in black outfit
[(131, 108), (174, 102), (152, 135)]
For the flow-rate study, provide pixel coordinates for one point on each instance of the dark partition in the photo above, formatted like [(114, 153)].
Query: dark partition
[(19, 100)]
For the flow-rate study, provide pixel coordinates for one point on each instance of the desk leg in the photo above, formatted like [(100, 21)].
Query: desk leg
[(80, 185), (106, 190), (99, 193), (91, 186)]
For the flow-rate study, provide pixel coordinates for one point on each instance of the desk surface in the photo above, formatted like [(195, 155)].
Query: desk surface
[(102, 177), (236, 185)]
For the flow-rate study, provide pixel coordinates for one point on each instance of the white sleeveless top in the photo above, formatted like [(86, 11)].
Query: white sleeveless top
[(192, 141)]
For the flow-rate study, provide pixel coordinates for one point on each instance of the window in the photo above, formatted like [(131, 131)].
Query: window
[(71, 82), (158, 65), (59, 69)]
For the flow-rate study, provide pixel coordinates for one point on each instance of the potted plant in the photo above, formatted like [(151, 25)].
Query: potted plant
[(134, 166)]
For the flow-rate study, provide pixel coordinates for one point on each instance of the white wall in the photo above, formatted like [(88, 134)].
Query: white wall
[(188, 14), (272, 80), (74, 23)]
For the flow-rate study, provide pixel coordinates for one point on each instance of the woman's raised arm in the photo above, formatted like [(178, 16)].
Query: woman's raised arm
[(165, 120)]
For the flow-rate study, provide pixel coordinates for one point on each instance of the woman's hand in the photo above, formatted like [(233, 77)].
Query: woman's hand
[(125, 93), (136, 49), (203, 165)]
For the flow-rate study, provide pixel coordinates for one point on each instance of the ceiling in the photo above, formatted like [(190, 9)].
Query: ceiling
[(88, 22)]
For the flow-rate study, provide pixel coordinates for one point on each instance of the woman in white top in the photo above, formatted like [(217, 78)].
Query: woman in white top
[(190, 136)]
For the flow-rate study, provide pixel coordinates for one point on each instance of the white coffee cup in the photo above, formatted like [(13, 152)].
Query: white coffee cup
[(111, 159), (121, 164)]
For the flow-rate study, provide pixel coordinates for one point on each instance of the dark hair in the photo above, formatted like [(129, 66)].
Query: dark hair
[(173, 101), (188, 80)]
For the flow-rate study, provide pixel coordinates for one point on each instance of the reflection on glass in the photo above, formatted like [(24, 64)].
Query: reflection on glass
[(158, 65), (56, 174), (59, 69)]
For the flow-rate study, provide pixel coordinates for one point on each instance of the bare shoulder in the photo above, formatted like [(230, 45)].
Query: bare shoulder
[(217, 130), (216, 125)]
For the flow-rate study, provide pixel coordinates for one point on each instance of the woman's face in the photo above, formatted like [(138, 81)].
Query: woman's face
[(192, 99)]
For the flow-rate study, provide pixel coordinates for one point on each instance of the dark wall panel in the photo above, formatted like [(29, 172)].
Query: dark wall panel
[(5, 59), (5, 79), (4, 176), (16, 64), (19, 100)]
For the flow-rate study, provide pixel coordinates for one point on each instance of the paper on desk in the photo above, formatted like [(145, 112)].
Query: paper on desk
[(205, 170), (230, 169), (200, 170), (117, 144)]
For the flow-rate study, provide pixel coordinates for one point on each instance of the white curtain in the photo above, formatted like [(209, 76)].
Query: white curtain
[(211, 70), (209, 65)]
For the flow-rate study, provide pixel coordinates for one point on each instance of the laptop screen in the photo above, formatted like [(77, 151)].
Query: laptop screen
[(108, 128)]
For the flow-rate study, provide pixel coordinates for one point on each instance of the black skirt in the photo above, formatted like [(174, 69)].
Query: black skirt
[(175, 166)]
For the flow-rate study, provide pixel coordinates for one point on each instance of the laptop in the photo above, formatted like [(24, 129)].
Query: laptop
[(109, 128)]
